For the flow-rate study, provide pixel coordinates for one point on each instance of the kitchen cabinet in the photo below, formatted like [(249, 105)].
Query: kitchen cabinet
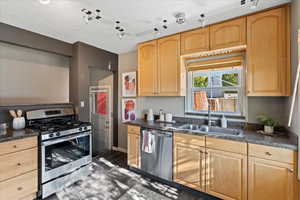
[(169, 66), (195, 41), (271, 173), (18, 170), (226, 175), (147, 68), (268, 49), (133, 146), (228, 34), (270, 180), (189, 162), (159, 71)]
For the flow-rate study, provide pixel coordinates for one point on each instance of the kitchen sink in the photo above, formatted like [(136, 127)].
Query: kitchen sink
[(212, 129)]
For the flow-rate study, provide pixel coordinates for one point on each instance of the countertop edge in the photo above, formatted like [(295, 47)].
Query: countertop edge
[(246, 138)]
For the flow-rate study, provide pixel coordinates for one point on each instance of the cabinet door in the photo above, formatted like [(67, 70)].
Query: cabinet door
[(189, 166), (268, 65), (195, 41), (147, 69), (169, 66), (226, 175), (133, 150), (228, 34), (270, 180)]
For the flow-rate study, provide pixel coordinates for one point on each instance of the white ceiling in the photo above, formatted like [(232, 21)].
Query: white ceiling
[(62, 19)]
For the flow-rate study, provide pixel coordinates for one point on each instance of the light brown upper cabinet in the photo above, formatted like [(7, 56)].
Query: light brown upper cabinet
[(147, 69), (160, 72), (195, 41), (268, 54), (228, 34), (169, 66)]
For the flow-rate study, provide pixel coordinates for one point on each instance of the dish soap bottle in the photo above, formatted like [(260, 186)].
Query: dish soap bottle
[(224, 122)]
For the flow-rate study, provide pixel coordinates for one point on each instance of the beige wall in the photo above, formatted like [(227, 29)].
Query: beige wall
[(295, 25), (273, 107), (29, 76)]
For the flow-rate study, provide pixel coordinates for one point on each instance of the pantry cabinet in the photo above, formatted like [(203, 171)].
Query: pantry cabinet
[(228, 34), (133, 146), (268, 59), (195, 41), (159, 70)]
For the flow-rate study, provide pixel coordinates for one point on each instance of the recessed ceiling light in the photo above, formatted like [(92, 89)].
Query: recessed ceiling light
[(44, 1)]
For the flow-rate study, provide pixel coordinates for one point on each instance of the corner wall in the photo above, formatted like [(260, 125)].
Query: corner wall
[(295, 25)]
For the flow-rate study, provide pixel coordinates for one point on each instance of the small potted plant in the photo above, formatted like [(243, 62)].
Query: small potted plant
[(268, 123)]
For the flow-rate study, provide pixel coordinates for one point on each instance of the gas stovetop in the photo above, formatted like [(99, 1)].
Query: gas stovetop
[(50, 129), (55, 122)]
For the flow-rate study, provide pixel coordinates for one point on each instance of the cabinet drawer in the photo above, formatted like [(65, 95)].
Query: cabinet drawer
[(19, 187), (189, 139), (18, 163), (17, 145), (272, 153), (133, 129), (226, 145)]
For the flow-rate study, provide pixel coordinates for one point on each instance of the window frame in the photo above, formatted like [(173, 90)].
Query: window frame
[(242, 100)]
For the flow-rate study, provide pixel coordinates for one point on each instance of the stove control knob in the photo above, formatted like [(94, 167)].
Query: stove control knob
[(80, 129), (51, 135), (58, 134), (85, 128)]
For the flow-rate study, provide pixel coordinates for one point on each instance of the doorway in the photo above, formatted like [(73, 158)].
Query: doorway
[(101, 110)]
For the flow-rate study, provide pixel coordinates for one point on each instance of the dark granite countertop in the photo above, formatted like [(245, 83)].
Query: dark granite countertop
[(288, 140), (11, 134)]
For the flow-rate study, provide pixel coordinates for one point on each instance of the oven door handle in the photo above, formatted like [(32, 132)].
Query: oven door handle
[(59, 140)]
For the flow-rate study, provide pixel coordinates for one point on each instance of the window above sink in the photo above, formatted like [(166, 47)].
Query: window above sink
[(222, 88)]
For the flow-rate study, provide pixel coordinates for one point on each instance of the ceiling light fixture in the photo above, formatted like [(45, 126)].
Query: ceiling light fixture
[(253, 4), (44, 1), (180, 18)]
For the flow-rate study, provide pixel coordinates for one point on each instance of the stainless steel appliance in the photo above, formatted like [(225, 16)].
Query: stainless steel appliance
[(159, 161), (65, 147)]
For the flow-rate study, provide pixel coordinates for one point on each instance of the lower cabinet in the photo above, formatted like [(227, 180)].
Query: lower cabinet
[(226, 175), (189, 165), (18, 169), (270, 180), (133, 146)]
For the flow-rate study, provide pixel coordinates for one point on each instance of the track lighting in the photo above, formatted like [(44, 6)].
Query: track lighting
[(202, 20), (89, 15)]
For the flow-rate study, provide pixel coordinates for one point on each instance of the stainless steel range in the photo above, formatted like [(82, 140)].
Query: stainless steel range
[(65, 147)]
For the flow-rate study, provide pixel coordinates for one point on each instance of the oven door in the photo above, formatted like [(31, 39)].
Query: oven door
[(64, 155)]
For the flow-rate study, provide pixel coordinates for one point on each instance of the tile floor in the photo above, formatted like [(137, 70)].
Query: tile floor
[(107, 183)]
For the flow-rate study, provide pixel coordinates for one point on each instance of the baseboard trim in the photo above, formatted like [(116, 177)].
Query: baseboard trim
[(119, 149)]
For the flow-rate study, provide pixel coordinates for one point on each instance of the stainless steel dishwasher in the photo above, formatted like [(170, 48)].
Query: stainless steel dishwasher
[(159, 161)]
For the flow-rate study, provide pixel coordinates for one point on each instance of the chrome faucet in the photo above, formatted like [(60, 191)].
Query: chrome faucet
[(209, 115)]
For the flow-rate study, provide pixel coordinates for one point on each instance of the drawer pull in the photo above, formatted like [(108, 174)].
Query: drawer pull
[(19, 164), (268, 153), (19, 188), (15, 146), (291, 170)]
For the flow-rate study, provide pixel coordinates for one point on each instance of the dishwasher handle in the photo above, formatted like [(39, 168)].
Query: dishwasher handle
[(160, 133)]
